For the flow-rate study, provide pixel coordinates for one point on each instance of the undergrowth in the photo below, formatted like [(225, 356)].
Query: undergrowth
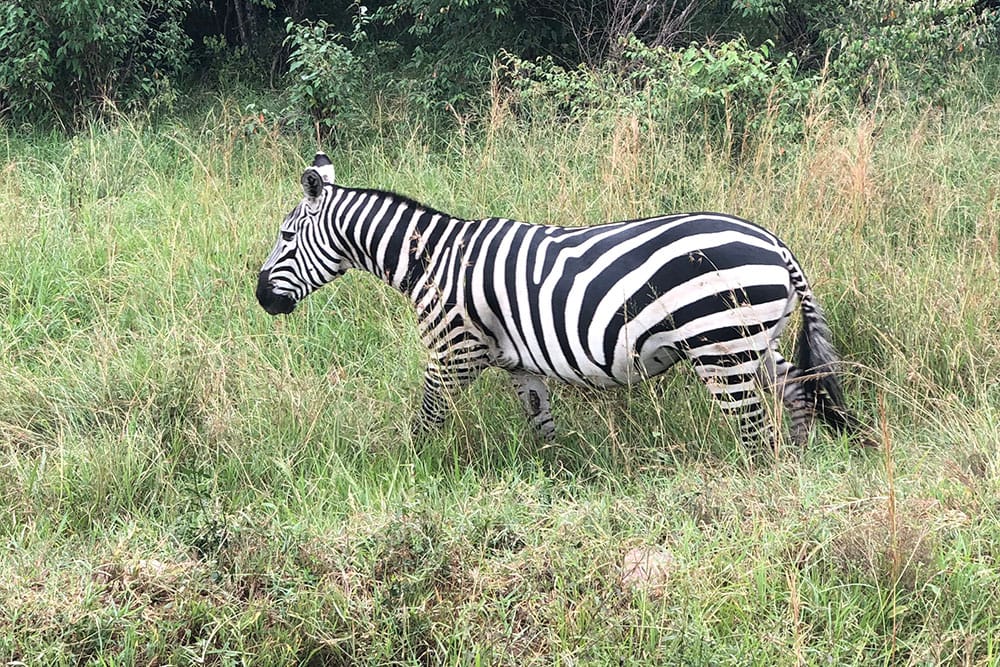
[(187, 480)]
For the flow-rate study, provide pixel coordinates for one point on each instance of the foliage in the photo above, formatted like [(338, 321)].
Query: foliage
[(420, 52), (67, 57), (731, 87), (325, 73), (62, 59), (910, 46), (600, 31), (915, 46), (448, 45)]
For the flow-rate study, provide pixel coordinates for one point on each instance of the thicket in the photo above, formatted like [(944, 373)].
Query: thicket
[(65, 61), (59, 60)]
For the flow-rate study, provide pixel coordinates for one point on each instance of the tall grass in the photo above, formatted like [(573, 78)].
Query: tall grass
[(185, 479)]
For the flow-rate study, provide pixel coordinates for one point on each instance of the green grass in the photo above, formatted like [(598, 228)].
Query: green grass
[(184, 479)]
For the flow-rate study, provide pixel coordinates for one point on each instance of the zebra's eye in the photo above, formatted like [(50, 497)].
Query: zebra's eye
[(287, 236)]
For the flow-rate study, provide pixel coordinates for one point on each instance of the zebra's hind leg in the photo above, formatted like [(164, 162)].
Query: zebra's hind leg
[(781, 377), (734, 386), (534, 395)]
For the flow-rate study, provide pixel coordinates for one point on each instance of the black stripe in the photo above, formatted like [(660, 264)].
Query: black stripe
[(725, 334), (709, 305), (731, 359)]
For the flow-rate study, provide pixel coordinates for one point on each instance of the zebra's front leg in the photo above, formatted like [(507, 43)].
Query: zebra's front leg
[(441, 382), (534, 395)]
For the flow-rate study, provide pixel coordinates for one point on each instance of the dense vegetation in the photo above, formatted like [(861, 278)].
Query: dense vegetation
[(185, 480), (64, 61)]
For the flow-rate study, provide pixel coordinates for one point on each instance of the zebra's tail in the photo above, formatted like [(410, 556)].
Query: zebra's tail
[(819, 364)]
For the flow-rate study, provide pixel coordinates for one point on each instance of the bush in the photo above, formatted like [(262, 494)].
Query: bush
[(324, 72), (59, 59), (735, 89), (900, 44), (447, 46), (331, 72)]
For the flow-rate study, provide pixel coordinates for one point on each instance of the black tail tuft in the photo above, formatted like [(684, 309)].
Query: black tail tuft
[(818, 362)]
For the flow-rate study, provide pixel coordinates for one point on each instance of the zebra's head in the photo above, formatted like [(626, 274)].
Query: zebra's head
[(305, 256)]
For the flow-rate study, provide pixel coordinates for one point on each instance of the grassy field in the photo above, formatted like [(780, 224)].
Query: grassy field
[(185, 480)]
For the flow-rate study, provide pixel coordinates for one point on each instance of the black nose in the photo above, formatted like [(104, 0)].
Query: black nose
[(274, 304)]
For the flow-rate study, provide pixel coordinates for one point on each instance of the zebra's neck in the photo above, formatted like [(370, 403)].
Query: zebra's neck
[(389, 235)]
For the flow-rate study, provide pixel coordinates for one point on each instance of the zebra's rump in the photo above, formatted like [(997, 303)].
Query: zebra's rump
[(614, 303)]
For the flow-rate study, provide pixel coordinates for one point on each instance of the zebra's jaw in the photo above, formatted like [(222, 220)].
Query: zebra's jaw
[(274, 304)]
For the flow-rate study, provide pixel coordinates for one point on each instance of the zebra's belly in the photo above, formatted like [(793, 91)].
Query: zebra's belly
[(641, 365), (635, 328)]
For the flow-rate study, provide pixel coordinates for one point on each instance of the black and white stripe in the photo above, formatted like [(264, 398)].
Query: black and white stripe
[(598, 306)]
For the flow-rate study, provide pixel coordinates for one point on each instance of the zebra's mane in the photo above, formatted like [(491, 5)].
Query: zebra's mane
[(403, 199)]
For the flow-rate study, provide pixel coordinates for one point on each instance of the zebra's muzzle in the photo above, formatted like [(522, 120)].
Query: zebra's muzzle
[(274, 304)]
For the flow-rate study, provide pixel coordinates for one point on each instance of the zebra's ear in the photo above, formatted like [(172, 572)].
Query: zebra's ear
[(324, 166), (312, 183)]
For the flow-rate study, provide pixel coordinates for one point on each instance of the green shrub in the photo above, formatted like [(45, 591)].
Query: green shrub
[(733, 88), (330, 71), (324, 71), (59, 59), (899, 44), (447, 46), (913, 47)]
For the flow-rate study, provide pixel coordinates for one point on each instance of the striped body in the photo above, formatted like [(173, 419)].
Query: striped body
[(617, 303), (598, 306)]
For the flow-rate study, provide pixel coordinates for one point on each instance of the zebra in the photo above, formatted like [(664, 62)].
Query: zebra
[(602, 306)]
